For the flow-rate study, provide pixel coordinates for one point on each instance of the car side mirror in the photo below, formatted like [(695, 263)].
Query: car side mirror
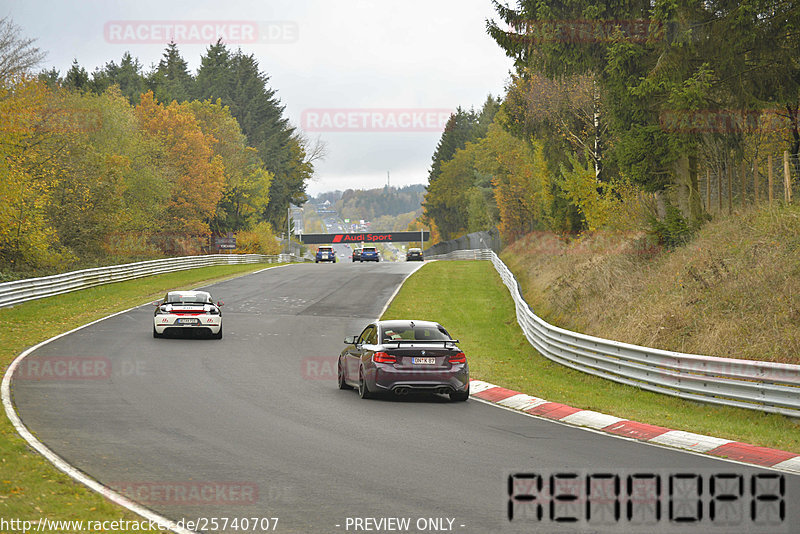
[(220, 304), (350, 340), (156, 303)]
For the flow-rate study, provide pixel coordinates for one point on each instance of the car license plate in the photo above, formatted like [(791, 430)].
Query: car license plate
[(187, 321), (424, 361)]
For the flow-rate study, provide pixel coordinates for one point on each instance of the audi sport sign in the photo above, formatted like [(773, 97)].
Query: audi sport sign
[(365, 237)]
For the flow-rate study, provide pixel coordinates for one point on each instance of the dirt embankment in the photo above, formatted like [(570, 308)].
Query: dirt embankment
[(734, 291)]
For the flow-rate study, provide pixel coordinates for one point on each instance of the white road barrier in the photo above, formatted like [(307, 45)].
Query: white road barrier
[(19, 291), (764, 386)]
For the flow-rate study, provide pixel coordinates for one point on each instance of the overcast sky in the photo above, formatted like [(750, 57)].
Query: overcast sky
[(372, 79)]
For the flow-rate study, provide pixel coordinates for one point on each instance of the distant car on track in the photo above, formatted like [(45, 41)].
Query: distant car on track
[(356, 254), (403, 357), (369, 254), (414, 254), (325, 254), (187, 311)]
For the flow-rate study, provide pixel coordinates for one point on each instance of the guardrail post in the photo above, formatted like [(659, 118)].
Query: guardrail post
[(787, 178)]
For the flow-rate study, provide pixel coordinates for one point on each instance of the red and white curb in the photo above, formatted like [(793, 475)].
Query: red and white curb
[(679, 439)]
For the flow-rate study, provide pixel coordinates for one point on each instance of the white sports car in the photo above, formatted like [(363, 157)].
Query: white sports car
[(187, 310)]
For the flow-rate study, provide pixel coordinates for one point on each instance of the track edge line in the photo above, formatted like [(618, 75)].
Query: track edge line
[(61, 464)]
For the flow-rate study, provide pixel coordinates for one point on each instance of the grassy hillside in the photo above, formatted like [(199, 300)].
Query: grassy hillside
[(734, 291)]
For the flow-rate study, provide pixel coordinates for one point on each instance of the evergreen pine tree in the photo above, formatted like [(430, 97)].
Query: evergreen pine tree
[(171, 79)]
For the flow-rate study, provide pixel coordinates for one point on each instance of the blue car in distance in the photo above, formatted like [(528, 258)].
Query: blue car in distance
[(325, 254), (369, 254)]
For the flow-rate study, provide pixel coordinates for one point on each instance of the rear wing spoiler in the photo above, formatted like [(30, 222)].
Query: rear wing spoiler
[(444, 342)]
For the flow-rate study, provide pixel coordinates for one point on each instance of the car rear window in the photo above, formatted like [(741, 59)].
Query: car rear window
[(369, 249), (179, 298), (416, 333)]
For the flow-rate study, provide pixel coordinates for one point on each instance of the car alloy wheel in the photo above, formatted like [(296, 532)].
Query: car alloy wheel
[(363, 391), (459, 396), (342, 383)]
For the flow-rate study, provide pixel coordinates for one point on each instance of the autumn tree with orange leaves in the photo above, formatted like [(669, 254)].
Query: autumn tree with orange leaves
[(196, 173)]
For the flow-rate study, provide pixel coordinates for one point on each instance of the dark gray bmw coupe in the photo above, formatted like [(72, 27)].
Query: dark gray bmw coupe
[(403, 357)]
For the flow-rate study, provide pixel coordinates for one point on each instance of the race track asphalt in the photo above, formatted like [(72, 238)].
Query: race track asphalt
[(253, 425)]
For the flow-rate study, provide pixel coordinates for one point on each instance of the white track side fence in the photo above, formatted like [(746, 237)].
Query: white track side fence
[(19, 291), (764, 386)]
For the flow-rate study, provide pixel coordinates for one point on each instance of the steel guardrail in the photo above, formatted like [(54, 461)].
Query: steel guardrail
[(19, 291), (756, 385)]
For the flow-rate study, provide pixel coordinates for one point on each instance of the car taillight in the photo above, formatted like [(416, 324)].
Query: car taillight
[(458, 358), (382, 357)]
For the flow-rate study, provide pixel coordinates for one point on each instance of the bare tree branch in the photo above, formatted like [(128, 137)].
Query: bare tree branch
[(17, 54), (315, 150)]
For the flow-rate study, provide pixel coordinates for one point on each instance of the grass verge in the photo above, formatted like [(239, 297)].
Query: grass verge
[(30, 487), (470, 300)]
